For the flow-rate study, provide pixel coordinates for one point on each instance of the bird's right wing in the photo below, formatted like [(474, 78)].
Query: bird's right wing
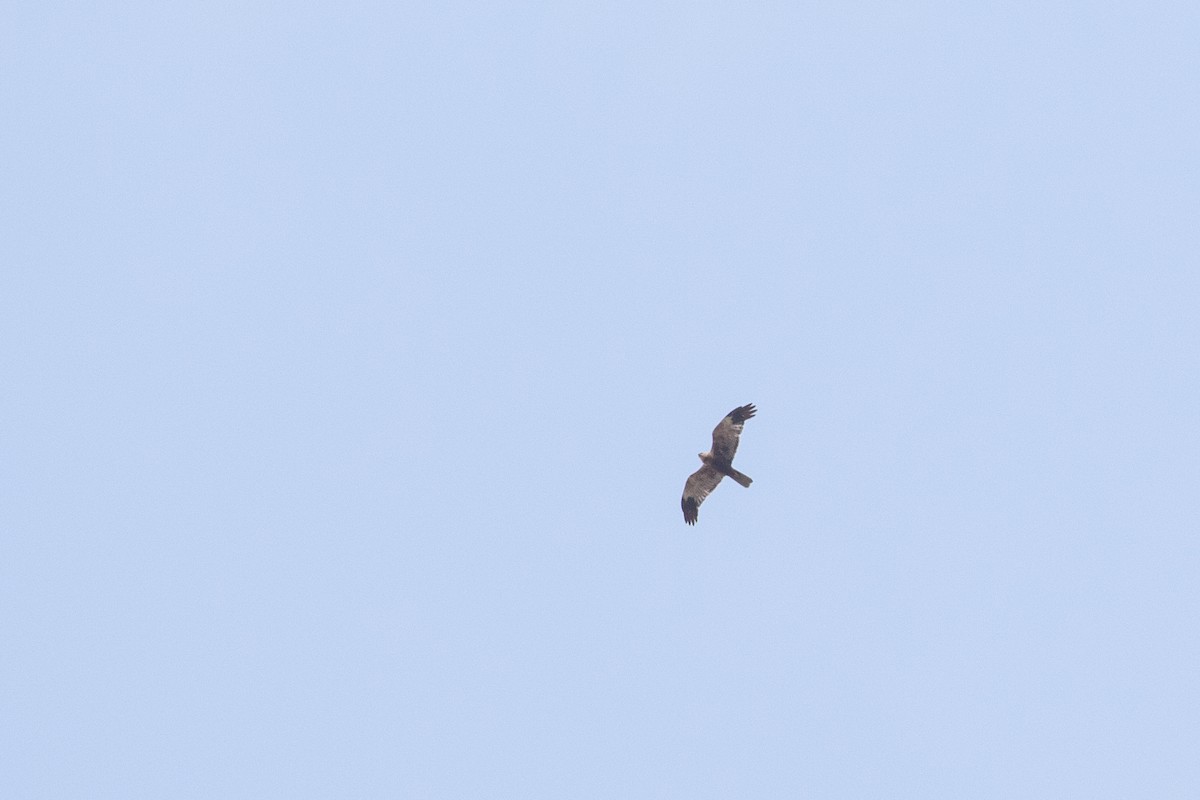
[(699, 484)]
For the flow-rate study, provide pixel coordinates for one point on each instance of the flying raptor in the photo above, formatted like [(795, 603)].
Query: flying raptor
[(718, 462)]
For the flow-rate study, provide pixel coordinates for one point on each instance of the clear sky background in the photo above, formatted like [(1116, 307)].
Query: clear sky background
[(355, 355)]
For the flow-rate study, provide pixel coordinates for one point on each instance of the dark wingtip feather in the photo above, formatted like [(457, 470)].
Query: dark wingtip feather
[(690, 510), (743, 413)]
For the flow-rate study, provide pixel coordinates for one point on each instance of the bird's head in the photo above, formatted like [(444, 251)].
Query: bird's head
[(705, 457)]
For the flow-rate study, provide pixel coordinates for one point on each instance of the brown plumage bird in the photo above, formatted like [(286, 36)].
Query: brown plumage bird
[(718, 462)]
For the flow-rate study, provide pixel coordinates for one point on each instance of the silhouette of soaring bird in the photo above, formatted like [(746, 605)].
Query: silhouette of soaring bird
[(718, 462)]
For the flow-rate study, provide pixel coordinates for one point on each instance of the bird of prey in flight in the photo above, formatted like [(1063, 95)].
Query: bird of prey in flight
[(718, 462)]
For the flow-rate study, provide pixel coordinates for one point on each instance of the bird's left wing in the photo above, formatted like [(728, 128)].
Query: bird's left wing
[(729, 431)]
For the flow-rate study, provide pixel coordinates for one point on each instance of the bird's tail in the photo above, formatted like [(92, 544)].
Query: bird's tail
[(744, 480)]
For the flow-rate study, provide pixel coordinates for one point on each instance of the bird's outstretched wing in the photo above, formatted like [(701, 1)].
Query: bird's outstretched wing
[(699, 484), (728, 431)]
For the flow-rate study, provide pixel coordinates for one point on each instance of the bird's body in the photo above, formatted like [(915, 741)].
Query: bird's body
[(718, 462)]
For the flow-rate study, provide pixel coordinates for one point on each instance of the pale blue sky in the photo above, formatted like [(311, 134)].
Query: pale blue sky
[(355, 355)]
